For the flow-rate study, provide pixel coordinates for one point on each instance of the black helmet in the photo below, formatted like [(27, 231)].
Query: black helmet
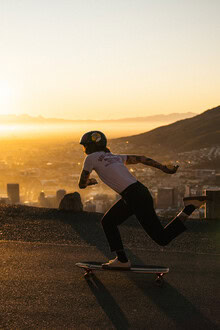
[(96, 138)]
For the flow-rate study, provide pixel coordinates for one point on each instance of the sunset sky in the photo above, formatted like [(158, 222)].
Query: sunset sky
[(104, 59)]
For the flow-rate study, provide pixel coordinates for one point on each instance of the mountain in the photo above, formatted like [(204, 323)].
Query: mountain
[(26, 119), (201, 131), (172, 117)]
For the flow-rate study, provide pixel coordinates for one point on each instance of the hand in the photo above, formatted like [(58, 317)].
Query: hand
[(92, 182), (170, 169)]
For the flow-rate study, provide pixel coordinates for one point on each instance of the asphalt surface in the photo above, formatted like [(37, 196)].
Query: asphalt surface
[(41, 288)]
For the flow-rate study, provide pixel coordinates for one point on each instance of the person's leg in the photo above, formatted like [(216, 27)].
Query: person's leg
[(176, 226), (152, 225), (115, 216), (144, 210), (141, 203)]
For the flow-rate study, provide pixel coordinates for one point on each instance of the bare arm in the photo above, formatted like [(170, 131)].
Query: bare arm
[(85, 181), (134, 159)]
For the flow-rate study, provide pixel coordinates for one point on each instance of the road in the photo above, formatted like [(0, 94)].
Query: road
[(40, 287)]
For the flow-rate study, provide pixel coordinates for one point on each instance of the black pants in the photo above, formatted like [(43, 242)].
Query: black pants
[(137, 200)]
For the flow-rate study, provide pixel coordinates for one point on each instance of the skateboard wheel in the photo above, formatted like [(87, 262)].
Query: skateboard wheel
[(88, 273)]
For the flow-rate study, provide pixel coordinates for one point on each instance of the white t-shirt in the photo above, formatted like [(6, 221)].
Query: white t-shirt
[(111, 169)]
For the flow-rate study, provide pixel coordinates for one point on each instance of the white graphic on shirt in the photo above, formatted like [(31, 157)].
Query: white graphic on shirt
[(110, 159)]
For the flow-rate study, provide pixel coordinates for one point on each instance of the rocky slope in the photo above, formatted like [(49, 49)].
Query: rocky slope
[(32, 224)]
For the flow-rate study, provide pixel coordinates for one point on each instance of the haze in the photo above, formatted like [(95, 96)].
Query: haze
[(25, 126), (74, 131)]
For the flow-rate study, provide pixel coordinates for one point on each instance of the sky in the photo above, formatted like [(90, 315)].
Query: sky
[(101, 59)]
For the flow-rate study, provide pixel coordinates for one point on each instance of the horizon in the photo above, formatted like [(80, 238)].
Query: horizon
[(73, 131), (102, 60), (89, 119), (66, 129)]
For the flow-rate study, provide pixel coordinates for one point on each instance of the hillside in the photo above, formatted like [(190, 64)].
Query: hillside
[(202, 131)]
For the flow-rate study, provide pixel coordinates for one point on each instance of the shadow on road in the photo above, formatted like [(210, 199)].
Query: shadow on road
[(108, 303), (90, 230), (172, 303)]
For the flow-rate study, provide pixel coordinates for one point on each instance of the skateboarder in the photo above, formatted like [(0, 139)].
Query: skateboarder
[(135, 197)]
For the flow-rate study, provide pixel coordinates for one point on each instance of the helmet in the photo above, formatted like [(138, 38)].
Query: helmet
[(96, 138)]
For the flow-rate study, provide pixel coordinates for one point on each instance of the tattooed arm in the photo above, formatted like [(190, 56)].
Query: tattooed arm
[(85, 180), (133, 159)]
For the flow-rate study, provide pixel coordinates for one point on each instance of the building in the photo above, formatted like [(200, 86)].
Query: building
[(166, 197), (13, 192), (212, 208), (217, 179)]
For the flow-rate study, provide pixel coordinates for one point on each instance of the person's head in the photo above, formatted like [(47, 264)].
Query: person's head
[(94, 141)]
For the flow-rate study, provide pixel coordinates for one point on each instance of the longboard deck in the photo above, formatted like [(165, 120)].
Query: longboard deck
[(145, 269)]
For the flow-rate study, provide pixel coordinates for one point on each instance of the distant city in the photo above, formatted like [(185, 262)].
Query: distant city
[(40, 174)]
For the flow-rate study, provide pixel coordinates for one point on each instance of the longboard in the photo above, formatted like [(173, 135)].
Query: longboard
[(89, 267)]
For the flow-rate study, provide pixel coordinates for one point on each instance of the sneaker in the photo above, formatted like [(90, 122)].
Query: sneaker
[(115, 263), (196, 201)]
